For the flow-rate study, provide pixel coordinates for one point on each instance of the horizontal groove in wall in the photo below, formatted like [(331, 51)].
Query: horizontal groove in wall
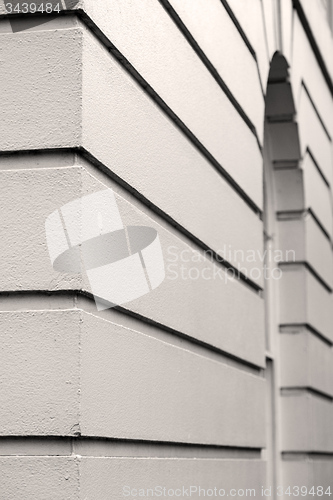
[(306, 26), (310, 269), (319, 224), (301, 214), (316, 111), (102, 447), (211, 68), (301, 456), (296, 328), (291, 214), (217, 259), (301, 391), (239, 28), (162, 104), (308, 150), (89, 23), (285, 164), (75, 299), (280, 118)]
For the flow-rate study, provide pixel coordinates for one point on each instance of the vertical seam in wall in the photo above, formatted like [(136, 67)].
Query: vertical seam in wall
[(265, 28), (82, 89), (77, 457), (292, 36), (80, 329), (278, 24), (239, 28)]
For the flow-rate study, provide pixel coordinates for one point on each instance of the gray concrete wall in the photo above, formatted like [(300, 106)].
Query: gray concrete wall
[(215, 378)]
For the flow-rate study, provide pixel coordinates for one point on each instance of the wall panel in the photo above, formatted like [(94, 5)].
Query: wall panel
[(303, 299), (307, 423), (305, 68), (313, 136), (217, 35), (249, 14), (178, 303), (306, 361)]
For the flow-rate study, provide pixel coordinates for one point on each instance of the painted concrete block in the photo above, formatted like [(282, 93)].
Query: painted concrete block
[(218, 37), (317, 194), (160, 160), (249, 14), (137, 387), (76, 374), (317, 17), (102, 478), (149, 39), (306, 361), (194, 282), (303, 240), (40, 372), (42, 88), (314, 137), (212, 119), (283, 142), (306, 423), (303, 299), (40, 478), (305, 68), (289, 190), (279, 100), (88, 478), (161, 164), (308, 472)]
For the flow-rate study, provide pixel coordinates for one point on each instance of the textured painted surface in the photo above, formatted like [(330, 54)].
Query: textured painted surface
[(161, 164), (25, 263), (306, 361), (55, 478), (249, 14), (312, 307), (317, 17), (137, 387), (39, 373), (314, 137), (149, 39), (216, 34), (181, 300), (42, 90), (82, 374), (309, 472), (66, 90), (106, 477), (70, 478), (304, 241), (305, 68), (317, 194), (307, 423)]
